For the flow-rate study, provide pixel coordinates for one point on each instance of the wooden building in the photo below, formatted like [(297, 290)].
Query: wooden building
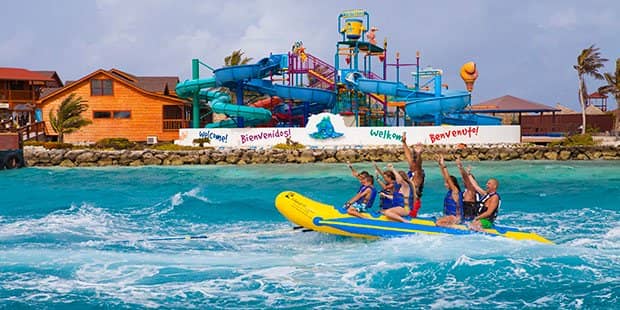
[(19, 91), (538, 119), (122, 105)]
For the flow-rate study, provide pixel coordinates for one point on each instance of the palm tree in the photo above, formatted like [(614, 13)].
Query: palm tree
[(236, 58), (613, 83), (588, 63), (67, 117)]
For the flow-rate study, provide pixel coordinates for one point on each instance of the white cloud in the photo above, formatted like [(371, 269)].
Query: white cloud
[(563, 19), (16, 46), (513, 42)]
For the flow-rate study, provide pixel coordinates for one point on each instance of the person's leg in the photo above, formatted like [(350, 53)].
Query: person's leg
[(448, 220), (396, 214), (353, 211), (475, 225)]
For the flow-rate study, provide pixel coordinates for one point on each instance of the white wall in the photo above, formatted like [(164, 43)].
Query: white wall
[(362, 136)]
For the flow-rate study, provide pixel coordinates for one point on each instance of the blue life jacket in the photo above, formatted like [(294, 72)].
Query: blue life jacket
[(398, 200), (420, 188), (450, 206), (386, 203), (371, 200), (483, 208)]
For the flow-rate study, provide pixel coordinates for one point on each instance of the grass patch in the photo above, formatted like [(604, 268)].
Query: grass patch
[(175, 147), (289, 145)]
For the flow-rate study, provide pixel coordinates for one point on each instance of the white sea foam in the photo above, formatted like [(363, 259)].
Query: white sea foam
[(613, 234), (464, 260), (85, 220), (175, 201)]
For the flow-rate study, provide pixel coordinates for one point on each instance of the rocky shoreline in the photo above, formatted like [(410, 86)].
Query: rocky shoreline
[(39, 156)]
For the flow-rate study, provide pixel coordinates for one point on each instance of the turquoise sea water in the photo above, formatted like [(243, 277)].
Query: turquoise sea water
[(74, 238)]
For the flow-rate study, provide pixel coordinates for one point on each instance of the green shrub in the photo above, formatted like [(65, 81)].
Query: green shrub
[(289, 145), (57, 145), (34, 143), (575, 140), (201, 141), (115, 143)]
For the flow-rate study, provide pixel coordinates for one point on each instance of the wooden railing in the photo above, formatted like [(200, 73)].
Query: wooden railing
[(175, 124), (16, 95), (32, 131)]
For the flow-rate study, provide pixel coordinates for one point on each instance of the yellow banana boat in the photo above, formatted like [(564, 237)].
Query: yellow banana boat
[(325, 218)]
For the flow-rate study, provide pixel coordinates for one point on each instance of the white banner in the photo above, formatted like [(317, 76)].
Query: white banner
[(328, 129)]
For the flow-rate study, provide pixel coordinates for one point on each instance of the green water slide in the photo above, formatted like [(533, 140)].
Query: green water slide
[(221, 103)]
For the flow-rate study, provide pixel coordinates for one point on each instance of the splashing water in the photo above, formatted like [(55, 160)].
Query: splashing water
[(83, 238)]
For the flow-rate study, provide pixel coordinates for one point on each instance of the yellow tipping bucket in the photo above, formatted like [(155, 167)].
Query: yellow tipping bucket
[(469, 74), (353, 29)]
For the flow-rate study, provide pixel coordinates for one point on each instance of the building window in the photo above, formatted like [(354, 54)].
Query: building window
[(101, 88), (102, 114), (173, 112), (122, 114), (112, 114)]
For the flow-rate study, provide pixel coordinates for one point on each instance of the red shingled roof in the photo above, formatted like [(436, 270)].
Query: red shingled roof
[(21, 74), (596, 95), (506, 104)]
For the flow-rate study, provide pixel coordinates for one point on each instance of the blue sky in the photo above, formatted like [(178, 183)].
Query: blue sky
[(523, 48)]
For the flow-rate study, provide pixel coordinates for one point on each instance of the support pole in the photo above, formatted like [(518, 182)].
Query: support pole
[(397, 67), (196, 97), (239, 95), (417, 68)]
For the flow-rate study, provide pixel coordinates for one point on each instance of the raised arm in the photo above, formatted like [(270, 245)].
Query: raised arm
[(399, 179), (445, 174), (353, 171), (378, 170), (464, 175), (418, 178), (408, 154), (379, 173), (475, 184)]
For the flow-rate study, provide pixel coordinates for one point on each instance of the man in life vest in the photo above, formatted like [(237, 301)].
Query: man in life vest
[(489, 204)]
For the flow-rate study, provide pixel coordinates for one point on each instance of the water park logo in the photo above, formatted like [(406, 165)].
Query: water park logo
[(465, 132), (213, 136), (386, 134), (273, 134), (325, 130)]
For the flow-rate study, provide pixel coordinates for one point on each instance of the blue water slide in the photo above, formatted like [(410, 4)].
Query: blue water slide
[(418, 105), (230, 76), (306, 94), (316, 100), (261, 86), (471, 119)]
